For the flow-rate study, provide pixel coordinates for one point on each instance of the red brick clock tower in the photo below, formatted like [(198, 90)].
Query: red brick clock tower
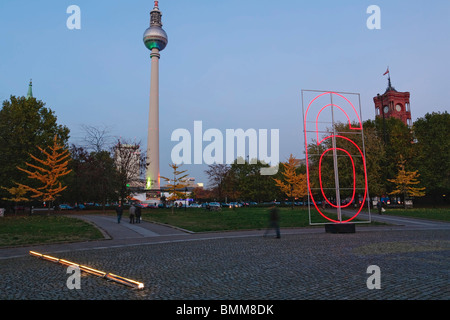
[(393, 104)]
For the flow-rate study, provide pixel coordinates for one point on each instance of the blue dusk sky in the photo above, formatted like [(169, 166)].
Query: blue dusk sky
[(230, 64)]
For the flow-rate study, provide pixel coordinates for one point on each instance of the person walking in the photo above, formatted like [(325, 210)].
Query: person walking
[(132, 213), (119, 211), (274, 222), (138, 214), (380, 207)]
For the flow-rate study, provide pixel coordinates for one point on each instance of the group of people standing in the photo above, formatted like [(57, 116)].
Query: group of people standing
[(134, 213)]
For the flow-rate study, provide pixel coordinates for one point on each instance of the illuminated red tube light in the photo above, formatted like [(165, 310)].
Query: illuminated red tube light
[(365, 188), (354, 178)]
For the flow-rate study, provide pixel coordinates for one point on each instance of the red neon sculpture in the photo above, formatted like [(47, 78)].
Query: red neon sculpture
[(319, 142)]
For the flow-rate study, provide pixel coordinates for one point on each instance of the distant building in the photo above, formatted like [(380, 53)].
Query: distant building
[(190, 182), (393, 104)]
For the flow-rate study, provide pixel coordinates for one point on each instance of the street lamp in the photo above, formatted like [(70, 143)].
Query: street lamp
[(185, 198)]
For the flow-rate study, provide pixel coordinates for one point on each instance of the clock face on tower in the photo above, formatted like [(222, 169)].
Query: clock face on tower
[(398, 108), (386, 109)]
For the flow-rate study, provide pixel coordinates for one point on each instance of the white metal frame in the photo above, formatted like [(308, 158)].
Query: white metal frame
[(333, 133)]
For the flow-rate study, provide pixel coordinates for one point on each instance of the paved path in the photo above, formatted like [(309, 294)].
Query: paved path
[(126, 230), (306, 263), (406, 222)]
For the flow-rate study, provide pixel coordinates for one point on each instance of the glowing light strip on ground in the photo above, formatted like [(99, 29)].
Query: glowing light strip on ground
[(101, 274)]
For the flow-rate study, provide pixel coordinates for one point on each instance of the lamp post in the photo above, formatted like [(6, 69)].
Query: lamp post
[(185, 198)]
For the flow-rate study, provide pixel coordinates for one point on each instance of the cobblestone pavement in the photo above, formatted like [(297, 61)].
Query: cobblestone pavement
[(306, 264)]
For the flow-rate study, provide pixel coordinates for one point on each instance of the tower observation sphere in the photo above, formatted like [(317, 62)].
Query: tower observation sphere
[(155, 37)]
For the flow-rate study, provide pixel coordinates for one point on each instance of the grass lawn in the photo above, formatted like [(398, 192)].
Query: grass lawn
[(32, 230), (200, 220), (442, 214)]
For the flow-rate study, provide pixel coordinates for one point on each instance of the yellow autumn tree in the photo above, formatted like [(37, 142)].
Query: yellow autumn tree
[(48, 172), (177, 184), (405, 182), (18, 195), (293, 183)]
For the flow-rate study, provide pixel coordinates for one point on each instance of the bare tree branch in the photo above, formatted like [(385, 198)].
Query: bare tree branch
[(96, 138)]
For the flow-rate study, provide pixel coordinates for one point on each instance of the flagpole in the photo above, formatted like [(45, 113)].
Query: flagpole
[(388, 72), (389, 79)]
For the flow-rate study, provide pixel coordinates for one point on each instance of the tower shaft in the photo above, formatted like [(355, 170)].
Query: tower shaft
[(153, 173)]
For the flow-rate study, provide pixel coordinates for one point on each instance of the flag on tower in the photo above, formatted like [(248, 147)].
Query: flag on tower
[(386, 72)]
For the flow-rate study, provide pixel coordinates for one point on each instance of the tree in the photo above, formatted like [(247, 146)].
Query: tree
[(217, 175), (96, 138), (375, 158), (103, 177), (48, 172), (176, 186), (77, 180), (244, 181), (234, 184), (405, 183), (432, 134), (293, 184), (93, 177), (24, 124), (201, 194), (17, 195), (130, 164), (399, 142)]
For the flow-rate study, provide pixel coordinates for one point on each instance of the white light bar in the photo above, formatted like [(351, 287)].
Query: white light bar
[(101, 274)]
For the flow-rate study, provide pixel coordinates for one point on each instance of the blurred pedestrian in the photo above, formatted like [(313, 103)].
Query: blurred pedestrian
[(138, 214), (379, 207), (274, 222), (132, 213), (119, 211)]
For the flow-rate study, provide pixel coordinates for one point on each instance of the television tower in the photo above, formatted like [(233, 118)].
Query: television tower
[(155, 39)]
